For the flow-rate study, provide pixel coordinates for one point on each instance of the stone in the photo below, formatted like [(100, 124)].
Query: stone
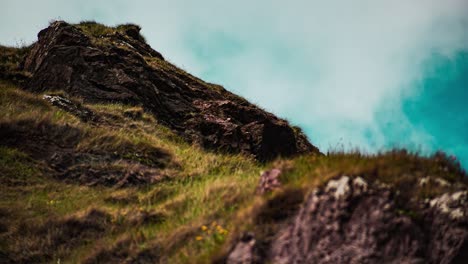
[(351, 220), (67, 105), (124, 69), (269, 181)]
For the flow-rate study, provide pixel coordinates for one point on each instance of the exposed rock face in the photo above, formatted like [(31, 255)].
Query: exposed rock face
[(452, 204), (269, 181), (244, 252), (80, 111), (123, 68), (354, 221)]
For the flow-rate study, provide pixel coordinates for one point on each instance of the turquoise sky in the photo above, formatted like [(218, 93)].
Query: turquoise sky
[(364, 74)]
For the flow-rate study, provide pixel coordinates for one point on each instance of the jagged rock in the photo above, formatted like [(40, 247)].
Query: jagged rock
[(269, 181), (452, 205), (80, 111), (136, 42), (351, 220), (442, 182), (438, 181), (121, 67), (244, 252)]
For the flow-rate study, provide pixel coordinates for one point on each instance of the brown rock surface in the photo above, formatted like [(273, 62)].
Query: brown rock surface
[(121, 67), (354, 221), (269, 181)]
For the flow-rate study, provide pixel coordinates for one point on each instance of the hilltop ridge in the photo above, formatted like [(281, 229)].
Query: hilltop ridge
[(118, 66), (111, 154)]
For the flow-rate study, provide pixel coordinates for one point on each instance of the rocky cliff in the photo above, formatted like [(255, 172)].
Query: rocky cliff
[(118, 66), (352, 220)]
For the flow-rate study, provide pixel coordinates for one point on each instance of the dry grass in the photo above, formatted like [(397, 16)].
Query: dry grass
[(208, 185), (47, 218), (100, 34), (97, 30), (10, 63), (164, 221)]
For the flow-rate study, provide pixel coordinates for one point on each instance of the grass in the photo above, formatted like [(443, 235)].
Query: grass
[(204, 202), (101, 35), (167, 218), (92, 28), (98, 30), (204, 186), (10, 63), (16, 168)]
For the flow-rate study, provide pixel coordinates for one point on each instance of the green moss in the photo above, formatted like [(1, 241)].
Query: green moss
[(16, 167)]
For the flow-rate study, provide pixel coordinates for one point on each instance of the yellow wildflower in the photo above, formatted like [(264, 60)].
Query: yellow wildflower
[(204, 228), (198, 238)]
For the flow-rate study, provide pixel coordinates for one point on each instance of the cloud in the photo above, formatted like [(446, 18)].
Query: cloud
[(340, 69)]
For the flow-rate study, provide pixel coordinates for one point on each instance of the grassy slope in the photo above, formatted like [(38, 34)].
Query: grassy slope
[(206, 186), (207, 202)]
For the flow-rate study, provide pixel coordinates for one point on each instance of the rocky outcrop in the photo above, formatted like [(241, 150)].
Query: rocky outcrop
[(75, 109), (121, 67), (269, 181), (452, 205), (351, 220)]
